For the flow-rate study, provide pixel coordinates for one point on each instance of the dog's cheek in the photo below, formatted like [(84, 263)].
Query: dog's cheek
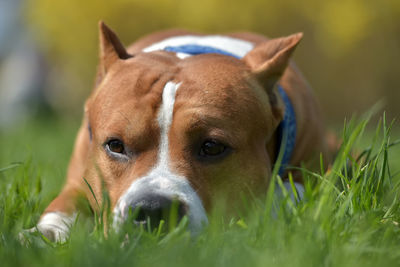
[(249, 177), (102, 177), (109, 170), (223, 183)]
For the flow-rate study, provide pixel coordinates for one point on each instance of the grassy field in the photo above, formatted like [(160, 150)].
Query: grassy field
[(350, 215)]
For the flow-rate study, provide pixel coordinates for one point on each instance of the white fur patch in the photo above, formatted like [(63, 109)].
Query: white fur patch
[(299, 190), (56, 225), (161, 180), (234, 46)]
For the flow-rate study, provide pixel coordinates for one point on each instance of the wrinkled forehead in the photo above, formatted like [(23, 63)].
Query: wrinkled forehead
[(139, 75), (220, 87), (211, 77), (137, 82), (205, 81)]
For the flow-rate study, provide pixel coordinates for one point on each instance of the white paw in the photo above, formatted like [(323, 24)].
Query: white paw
[(55, 226)]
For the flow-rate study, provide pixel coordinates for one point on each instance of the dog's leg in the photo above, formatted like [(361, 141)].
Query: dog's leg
[(59, 216), (57, 219)]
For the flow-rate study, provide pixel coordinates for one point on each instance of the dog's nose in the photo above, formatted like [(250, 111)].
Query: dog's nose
[(153, 208)]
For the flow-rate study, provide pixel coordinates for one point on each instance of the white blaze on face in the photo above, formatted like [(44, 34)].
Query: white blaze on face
[(161, 180), (164, 121)]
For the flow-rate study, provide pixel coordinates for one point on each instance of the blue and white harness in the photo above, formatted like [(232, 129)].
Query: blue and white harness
[(195, 45)]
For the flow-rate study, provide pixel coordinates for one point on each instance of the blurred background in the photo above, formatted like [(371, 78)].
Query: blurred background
[(48, 49)]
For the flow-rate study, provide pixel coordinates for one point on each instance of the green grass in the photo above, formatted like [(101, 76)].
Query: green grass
[(350, 215)]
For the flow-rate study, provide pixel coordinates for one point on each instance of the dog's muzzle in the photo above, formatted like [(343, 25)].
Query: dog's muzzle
[(160, 196), (153, 208)]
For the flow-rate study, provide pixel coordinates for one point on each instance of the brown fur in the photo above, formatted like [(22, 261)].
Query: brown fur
[(220, 97)]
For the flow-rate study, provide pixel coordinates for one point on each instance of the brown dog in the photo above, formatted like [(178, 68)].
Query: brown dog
[(183, 117)]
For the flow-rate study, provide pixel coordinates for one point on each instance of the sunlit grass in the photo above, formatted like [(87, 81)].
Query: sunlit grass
[(350, 215)]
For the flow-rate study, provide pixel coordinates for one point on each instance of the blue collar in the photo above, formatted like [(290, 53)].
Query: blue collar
[(286, 131)]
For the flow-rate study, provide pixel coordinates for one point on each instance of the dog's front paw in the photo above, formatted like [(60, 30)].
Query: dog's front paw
[(28, 236), (55, 226)]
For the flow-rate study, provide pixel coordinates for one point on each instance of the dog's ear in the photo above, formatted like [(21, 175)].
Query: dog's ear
[(111, 48), (268, 61)]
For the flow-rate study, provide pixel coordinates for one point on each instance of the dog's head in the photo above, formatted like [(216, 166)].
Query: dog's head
[(169, 130)]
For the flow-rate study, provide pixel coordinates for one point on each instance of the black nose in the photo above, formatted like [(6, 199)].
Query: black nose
[(152, 208)]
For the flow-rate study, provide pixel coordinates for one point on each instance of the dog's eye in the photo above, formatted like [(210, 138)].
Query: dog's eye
[(116, 146), (212, 148)]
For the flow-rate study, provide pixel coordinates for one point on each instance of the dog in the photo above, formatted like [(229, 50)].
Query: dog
[(179, 117)]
